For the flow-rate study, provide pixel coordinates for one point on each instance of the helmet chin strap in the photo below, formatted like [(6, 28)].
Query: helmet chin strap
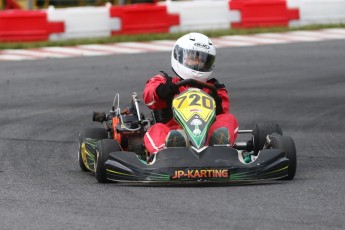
[(195, 74)]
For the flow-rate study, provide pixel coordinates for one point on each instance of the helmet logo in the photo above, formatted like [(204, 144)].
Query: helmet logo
[(201, 45)]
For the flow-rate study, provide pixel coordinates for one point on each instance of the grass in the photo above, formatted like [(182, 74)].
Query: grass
[(162, 36)]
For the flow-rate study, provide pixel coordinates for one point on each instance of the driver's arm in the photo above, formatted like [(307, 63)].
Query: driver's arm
[(223, 94), (151, 99)]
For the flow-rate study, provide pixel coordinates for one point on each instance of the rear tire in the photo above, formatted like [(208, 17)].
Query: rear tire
[(93, 133), (286, 144), (260, 132), (104, 147)]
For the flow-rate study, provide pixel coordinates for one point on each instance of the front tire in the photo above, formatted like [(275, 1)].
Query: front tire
[(104, 147), (286, 144), (260, 132), (92, 133)]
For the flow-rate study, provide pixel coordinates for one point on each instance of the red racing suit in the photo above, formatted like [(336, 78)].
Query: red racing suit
[(154, 138)]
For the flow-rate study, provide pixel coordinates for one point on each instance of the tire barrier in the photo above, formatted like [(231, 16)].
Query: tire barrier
[(143, 18), (83, 22), (20, 25), (263, 13), (164, 17), (205, 15), (318, 11)]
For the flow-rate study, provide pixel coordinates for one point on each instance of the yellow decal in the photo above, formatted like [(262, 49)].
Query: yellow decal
[(202, 174), (115, 172), (83, 156), (194, 101)]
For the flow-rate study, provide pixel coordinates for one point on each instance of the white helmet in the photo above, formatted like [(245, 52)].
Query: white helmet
[(193, 57)]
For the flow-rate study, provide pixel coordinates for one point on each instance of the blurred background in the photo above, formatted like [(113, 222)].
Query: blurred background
[(42, 4), (57, 20)]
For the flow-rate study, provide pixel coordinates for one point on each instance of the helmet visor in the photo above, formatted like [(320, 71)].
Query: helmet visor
[(194, 59)]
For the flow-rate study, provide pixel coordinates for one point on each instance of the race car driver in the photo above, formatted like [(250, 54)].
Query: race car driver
[(192, 57)]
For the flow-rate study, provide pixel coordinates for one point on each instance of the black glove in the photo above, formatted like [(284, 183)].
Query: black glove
[(167, 90), (99, 117), (219, 107)]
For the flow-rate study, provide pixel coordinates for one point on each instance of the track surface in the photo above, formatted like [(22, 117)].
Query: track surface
[(45, 103)]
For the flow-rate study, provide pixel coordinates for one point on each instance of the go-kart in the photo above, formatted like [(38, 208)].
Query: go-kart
[(116, 152)]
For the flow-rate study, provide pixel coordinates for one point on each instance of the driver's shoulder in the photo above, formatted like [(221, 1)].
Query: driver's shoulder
[(167, 77), (216, 83)]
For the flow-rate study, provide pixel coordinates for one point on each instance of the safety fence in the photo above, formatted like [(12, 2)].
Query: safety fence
[(164, 17), (43, 4)]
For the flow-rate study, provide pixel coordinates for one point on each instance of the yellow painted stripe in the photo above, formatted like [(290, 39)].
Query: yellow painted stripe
[(111, 171), (286, 167)]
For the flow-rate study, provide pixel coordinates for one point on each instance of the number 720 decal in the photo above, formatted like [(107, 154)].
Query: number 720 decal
[(195, 99)]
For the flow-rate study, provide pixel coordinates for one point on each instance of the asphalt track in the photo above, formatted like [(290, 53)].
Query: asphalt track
[(45, 103)]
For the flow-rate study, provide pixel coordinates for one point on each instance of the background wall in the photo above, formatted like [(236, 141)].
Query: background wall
[(170, 16)]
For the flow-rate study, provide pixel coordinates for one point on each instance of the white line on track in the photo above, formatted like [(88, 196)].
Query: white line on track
[(123, 50), (78, 51), (224, 42), (144, 46), (320, 35), (166, 45), (36, 53), (254, 40), (289, 38), (13, 57)]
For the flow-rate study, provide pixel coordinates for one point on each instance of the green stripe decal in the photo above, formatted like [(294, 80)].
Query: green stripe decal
[(90, 155), (115, 172), (286, 167)]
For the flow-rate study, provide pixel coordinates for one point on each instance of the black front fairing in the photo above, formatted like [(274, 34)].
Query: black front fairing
[(220, 164)]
